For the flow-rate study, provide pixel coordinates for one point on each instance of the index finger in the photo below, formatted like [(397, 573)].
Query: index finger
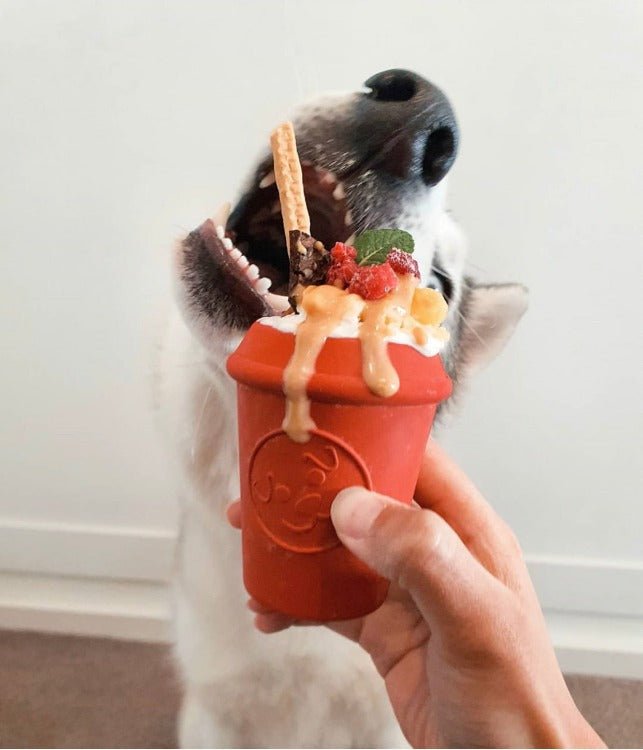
[(233, 514)]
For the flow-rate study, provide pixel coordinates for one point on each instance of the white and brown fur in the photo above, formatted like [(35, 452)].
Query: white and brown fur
[(305, 687)]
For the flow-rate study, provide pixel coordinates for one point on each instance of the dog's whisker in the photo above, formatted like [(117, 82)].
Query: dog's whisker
[(197, 428), (186, 364), (470, 328), (478, 268)]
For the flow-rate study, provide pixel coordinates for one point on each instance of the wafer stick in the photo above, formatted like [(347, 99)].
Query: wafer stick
[(289, 182)]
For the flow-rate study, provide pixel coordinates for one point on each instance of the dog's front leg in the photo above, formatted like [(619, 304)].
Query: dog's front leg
[(215, 641)]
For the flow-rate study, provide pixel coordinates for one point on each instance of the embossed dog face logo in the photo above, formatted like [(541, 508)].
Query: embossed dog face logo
[(307, 499), (293, 486)]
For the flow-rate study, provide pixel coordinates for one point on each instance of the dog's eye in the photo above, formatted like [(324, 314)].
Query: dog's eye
[(439, 281)]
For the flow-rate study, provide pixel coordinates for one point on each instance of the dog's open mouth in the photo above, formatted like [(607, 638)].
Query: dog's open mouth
[(257, 242)]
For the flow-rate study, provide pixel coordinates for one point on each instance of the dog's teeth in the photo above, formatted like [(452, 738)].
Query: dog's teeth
[(348, 218), (243, 262), (235, 254), (221, 215), (227, 243), (220, 232), (326, 177), (252, 272), (338, 192), (267, 180), (278, 302), (350, 240), (263, 284)]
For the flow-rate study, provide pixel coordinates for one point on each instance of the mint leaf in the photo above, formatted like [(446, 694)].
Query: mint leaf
[(374, 245)]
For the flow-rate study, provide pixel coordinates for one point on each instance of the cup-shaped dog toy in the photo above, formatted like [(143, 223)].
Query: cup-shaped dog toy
[(293, 561)]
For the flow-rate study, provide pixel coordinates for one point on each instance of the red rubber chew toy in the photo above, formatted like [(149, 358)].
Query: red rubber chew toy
[(293, 561)]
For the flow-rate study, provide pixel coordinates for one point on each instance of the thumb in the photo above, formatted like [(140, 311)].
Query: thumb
[(416, 549)]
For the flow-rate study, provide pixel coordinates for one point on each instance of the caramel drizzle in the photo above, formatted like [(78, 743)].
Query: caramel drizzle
[(326, 307), (380, 319)]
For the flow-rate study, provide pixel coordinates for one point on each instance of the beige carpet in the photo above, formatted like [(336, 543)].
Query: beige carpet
[(61, 691)]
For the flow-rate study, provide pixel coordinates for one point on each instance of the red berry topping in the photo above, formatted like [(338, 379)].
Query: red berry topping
[(403, 263), (342, 252), (343, 265), (373, 282), (340, 274)]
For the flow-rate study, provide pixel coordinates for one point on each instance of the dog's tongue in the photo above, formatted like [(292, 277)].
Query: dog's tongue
[(309, 264)]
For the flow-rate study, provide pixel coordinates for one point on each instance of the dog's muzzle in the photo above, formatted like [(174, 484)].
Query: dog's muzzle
[(366, 158)]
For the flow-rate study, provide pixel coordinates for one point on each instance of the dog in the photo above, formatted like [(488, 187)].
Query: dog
[(377, 157)]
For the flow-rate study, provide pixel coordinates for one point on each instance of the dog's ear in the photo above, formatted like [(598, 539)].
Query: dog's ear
[(490, 313)]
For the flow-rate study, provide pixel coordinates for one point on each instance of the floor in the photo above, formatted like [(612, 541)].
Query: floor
[(62, 691)]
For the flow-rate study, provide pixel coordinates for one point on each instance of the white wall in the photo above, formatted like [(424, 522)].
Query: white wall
[(125, 123)]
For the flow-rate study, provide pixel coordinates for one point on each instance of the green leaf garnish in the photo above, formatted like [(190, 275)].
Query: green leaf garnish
[(374, 245)]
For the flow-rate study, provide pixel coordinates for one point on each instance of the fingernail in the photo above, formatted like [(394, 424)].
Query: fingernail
[(354, 510)]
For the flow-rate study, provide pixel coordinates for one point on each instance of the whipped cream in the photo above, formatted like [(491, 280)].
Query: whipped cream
[(348, 328)]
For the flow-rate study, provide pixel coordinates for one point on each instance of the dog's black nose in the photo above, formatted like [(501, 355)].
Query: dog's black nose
[(409, 125)]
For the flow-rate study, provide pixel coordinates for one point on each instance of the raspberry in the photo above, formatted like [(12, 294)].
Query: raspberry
[(373, 282), (403, 263), (340, 274), (343, 265), (341, 253)]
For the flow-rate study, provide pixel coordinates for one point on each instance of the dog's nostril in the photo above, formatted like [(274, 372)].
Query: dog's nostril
[(393, 86), (439, 154), (415, 137)]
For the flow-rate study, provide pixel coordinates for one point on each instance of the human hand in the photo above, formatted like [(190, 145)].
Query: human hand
[(460, 641)]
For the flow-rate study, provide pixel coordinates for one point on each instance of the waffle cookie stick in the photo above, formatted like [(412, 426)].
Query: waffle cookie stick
[(309, 260), (290, 181)]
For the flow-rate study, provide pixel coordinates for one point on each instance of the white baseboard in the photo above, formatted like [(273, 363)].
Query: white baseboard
[(598, 645), (129, 610), (113, 582), (579, 584), (80, 551)]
